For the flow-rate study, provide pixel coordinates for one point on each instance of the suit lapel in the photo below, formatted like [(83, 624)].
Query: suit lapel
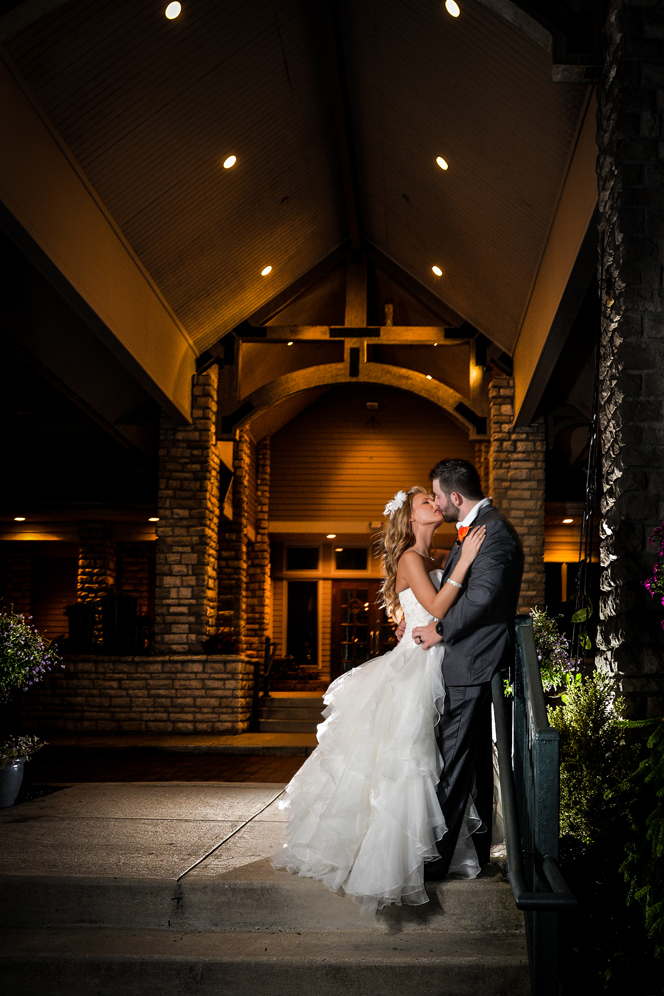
[(455, 552)]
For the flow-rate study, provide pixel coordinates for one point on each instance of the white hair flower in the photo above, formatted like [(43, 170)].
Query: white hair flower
[(396, 503)]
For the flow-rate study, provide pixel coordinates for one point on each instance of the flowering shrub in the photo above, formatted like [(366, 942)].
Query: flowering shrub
[(25, 656), (15, 747), (655, 584), (553, 651)]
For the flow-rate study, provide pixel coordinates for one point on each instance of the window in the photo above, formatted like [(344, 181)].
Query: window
[(302, 625), (351, 558), (302, 558)]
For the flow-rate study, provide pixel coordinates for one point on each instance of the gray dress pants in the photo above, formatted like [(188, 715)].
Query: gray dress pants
[(464, 740)]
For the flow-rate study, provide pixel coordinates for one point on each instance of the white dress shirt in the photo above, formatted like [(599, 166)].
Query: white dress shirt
[(474, 512)]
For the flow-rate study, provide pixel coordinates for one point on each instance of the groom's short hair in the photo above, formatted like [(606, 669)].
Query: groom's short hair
[(460, 476)]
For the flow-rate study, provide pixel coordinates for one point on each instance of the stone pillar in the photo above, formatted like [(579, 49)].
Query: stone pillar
[(631, 191), (483, 463), (97, 560), (233, 549), (517, 477), (258, 574), (187, 531)]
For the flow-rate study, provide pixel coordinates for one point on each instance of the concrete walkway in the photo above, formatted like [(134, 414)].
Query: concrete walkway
[(116, 888)]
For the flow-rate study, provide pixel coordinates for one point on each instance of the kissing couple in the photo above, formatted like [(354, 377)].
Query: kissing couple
[(400, 787)]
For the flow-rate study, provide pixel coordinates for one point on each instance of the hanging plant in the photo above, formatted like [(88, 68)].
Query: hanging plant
[(553, 650), (655, 584)]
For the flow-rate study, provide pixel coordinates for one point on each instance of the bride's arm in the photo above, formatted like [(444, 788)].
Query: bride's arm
[(412, 571)]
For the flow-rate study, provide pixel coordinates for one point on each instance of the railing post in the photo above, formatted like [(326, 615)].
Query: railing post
[(535, 761), (254, 723)]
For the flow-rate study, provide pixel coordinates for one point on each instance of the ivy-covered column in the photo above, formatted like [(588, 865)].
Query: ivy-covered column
[(631, 191)]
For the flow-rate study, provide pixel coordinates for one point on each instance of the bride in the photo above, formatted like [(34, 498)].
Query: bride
[(364, 814)]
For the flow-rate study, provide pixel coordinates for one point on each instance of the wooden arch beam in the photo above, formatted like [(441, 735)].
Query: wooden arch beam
[(329, 374)]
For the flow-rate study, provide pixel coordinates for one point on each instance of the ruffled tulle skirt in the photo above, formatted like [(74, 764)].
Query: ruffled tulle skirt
[(364, 814)]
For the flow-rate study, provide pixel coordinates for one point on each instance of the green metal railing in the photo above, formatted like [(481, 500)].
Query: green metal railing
[(529, 784)]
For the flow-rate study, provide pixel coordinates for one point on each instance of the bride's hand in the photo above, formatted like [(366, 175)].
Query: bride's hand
[(471, 544)]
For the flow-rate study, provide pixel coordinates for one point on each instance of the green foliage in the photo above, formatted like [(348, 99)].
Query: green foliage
[(644, 865), (580, 618), (25, 656), (594, 757), (19, 747)]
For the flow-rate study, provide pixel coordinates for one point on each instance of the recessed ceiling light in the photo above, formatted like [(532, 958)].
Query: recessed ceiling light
[(338, 549), (435, 343), (290, 343), (568, 522), (173, 10), (153, 518), (442, 162), (437, 270), (331, 536), (266, 270), (429, 377), (452, 8), (19, 518), (230, 162)]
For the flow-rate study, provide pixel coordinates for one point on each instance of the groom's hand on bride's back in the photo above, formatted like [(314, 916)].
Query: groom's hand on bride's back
[(426, 636), (400, 630)]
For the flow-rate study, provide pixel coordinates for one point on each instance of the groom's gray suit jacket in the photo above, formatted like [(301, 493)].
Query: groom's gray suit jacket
[(478, 630)]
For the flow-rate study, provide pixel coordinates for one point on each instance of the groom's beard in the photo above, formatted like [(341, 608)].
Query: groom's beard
[(449, 510)]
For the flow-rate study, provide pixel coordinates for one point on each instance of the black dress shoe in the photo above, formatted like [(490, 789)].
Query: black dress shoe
[(434, 871)]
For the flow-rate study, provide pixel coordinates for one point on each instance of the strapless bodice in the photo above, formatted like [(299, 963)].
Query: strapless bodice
[(414, 613)]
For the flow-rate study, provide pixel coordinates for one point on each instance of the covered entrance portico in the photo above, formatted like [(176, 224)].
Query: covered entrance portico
[(285, 259)]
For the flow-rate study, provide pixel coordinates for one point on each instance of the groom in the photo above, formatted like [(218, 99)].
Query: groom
[(478, 632)]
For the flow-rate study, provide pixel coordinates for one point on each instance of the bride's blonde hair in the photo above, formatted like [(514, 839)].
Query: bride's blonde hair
[(395, 539)]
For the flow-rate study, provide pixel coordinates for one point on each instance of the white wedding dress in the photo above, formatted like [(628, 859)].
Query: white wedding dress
[(364, 814)]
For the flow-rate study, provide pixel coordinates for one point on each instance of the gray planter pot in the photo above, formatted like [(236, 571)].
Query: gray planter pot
[(11, 777)]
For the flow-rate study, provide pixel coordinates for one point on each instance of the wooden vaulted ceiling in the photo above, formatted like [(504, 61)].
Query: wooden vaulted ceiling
[(150, 109)]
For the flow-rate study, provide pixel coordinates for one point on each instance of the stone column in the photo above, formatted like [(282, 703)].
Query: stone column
[(97, 560), (258, 573), (517, 484), (233, 549), (187, 531), (483, 463), (631, 191)]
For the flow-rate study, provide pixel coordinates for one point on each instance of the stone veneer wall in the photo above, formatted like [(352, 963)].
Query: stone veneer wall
[(170, 694), (483, 463), (631, 191), (233, 548), (97, 560), (258, 573), (187, 531), (517, 484)]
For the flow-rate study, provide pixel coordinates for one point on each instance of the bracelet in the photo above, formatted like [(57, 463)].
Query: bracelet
[(455, 583)]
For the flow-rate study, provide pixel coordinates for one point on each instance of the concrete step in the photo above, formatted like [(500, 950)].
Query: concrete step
[(287, 725), (251, 897), (176, 963), (116, 889), (292, 713), (286, 700)]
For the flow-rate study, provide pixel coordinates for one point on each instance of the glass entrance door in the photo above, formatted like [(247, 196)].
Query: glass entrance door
[(360, 629)]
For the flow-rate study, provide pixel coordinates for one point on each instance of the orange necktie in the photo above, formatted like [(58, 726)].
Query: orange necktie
[(462, 531)]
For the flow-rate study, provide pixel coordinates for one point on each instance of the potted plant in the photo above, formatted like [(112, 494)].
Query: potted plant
[(14, 752), (25, 657)]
